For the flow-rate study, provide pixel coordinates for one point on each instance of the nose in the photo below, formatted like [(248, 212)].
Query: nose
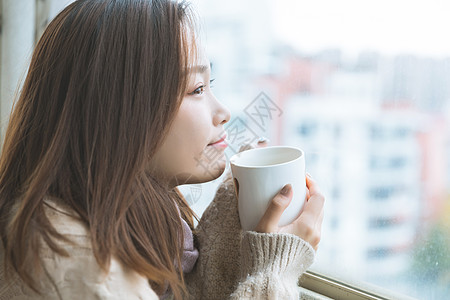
[(221, 114)]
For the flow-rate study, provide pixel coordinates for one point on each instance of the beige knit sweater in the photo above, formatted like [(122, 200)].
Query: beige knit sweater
[(231, 264), (244, 265)]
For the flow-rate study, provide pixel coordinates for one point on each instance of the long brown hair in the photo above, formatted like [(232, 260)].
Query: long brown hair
[(105, 82)]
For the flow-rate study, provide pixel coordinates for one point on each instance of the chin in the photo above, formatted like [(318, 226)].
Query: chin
[(213, 172), (206, 176), (199, 176), (201, 172), (217, 172)]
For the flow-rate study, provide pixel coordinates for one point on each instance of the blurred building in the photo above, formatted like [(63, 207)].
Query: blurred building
[(237, 43), (373, 153), (379, 165), (372, 185)]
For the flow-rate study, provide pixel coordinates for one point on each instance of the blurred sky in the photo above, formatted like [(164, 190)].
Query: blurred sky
[(389, 26)]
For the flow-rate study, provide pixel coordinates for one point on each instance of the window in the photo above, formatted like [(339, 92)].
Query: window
[(381, 193), (384, 222), (364, 89), (307, 129)]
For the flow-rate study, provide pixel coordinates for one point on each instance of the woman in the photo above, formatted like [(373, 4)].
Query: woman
[(115, 112)]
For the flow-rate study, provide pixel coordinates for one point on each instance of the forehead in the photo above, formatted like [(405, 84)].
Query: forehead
[(202, 63), (199, 63), (201, 68), (202, 57)]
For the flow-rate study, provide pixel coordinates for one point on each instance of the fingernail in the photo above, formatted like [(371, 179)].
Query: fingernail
[(263, 139), (285, 189)]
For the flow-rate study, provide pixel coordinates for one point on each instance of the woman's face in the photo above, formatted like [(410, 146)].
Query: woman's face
[(189, 153)]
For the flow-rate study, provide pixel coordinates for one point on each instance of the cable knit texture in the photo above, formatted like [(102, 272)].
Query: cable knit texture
[(244, 265), (271, 266), (218, 237)]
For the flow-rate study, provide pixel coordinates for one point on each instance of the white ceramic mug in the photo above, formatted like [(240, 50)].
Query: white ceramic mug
[(259, 174)]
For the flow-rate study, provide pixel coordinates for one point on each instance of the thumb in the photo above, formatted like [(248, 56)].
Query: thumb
[(270, 219)]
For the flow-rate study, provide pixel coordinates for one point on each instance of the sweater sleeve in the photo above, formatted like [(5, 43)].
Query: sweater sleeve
[(271, 265), (244, 265)]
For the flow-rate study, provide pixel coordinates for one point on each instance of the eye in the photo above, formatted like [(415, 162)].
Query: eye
[(198, 91), (201, 89)]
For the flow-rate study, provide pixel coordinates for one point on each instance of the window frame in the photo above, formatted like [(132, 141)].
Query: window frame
[(335, 288)]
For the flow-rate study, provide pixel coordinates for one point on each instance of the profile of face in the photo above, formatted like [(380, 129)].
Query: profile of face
[(192, 151)]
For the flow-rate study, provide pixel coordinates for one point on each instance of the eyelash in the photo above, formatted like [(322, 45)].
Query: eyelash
[(201, 89)]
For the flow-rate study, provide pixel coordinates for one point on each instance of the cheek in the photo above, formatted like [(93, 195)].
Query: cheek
[(192, 134), (195, 124)]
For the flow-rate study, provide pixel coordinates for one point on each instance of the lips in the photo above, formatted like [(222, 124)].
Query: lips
[(221, 140)]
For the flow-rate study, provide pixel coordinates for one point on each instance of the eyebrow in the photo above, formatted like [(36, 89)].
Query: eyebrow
[(200, 68)]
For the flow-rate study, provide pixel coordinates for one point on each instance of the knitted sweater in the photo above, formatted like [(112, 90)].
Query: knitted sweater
[(231, 264), (244, 265)]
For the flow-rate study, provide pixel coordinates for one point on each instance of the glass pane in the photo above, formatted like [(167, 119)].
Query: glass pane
[(364, 88)]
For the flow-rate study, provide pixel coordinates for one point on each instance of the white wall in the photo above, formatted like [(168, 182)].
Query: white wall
[(17, 40), (22, 24)]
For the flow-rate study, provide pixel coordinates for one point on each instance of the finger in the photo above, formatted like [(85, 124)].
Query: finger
[(312, 209), (246, 147), (307, 195), (318, 230), (270, 219), (311, 185), (314, 206), (263, 142), (320, 221)]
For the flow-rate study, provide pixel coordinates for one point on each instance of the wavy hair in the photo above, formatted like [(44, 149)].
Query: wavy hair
[(104, 85)]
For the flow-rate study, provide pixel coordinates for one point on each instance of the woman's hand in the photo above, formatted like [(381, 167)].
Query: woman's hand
[(307, 226)]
